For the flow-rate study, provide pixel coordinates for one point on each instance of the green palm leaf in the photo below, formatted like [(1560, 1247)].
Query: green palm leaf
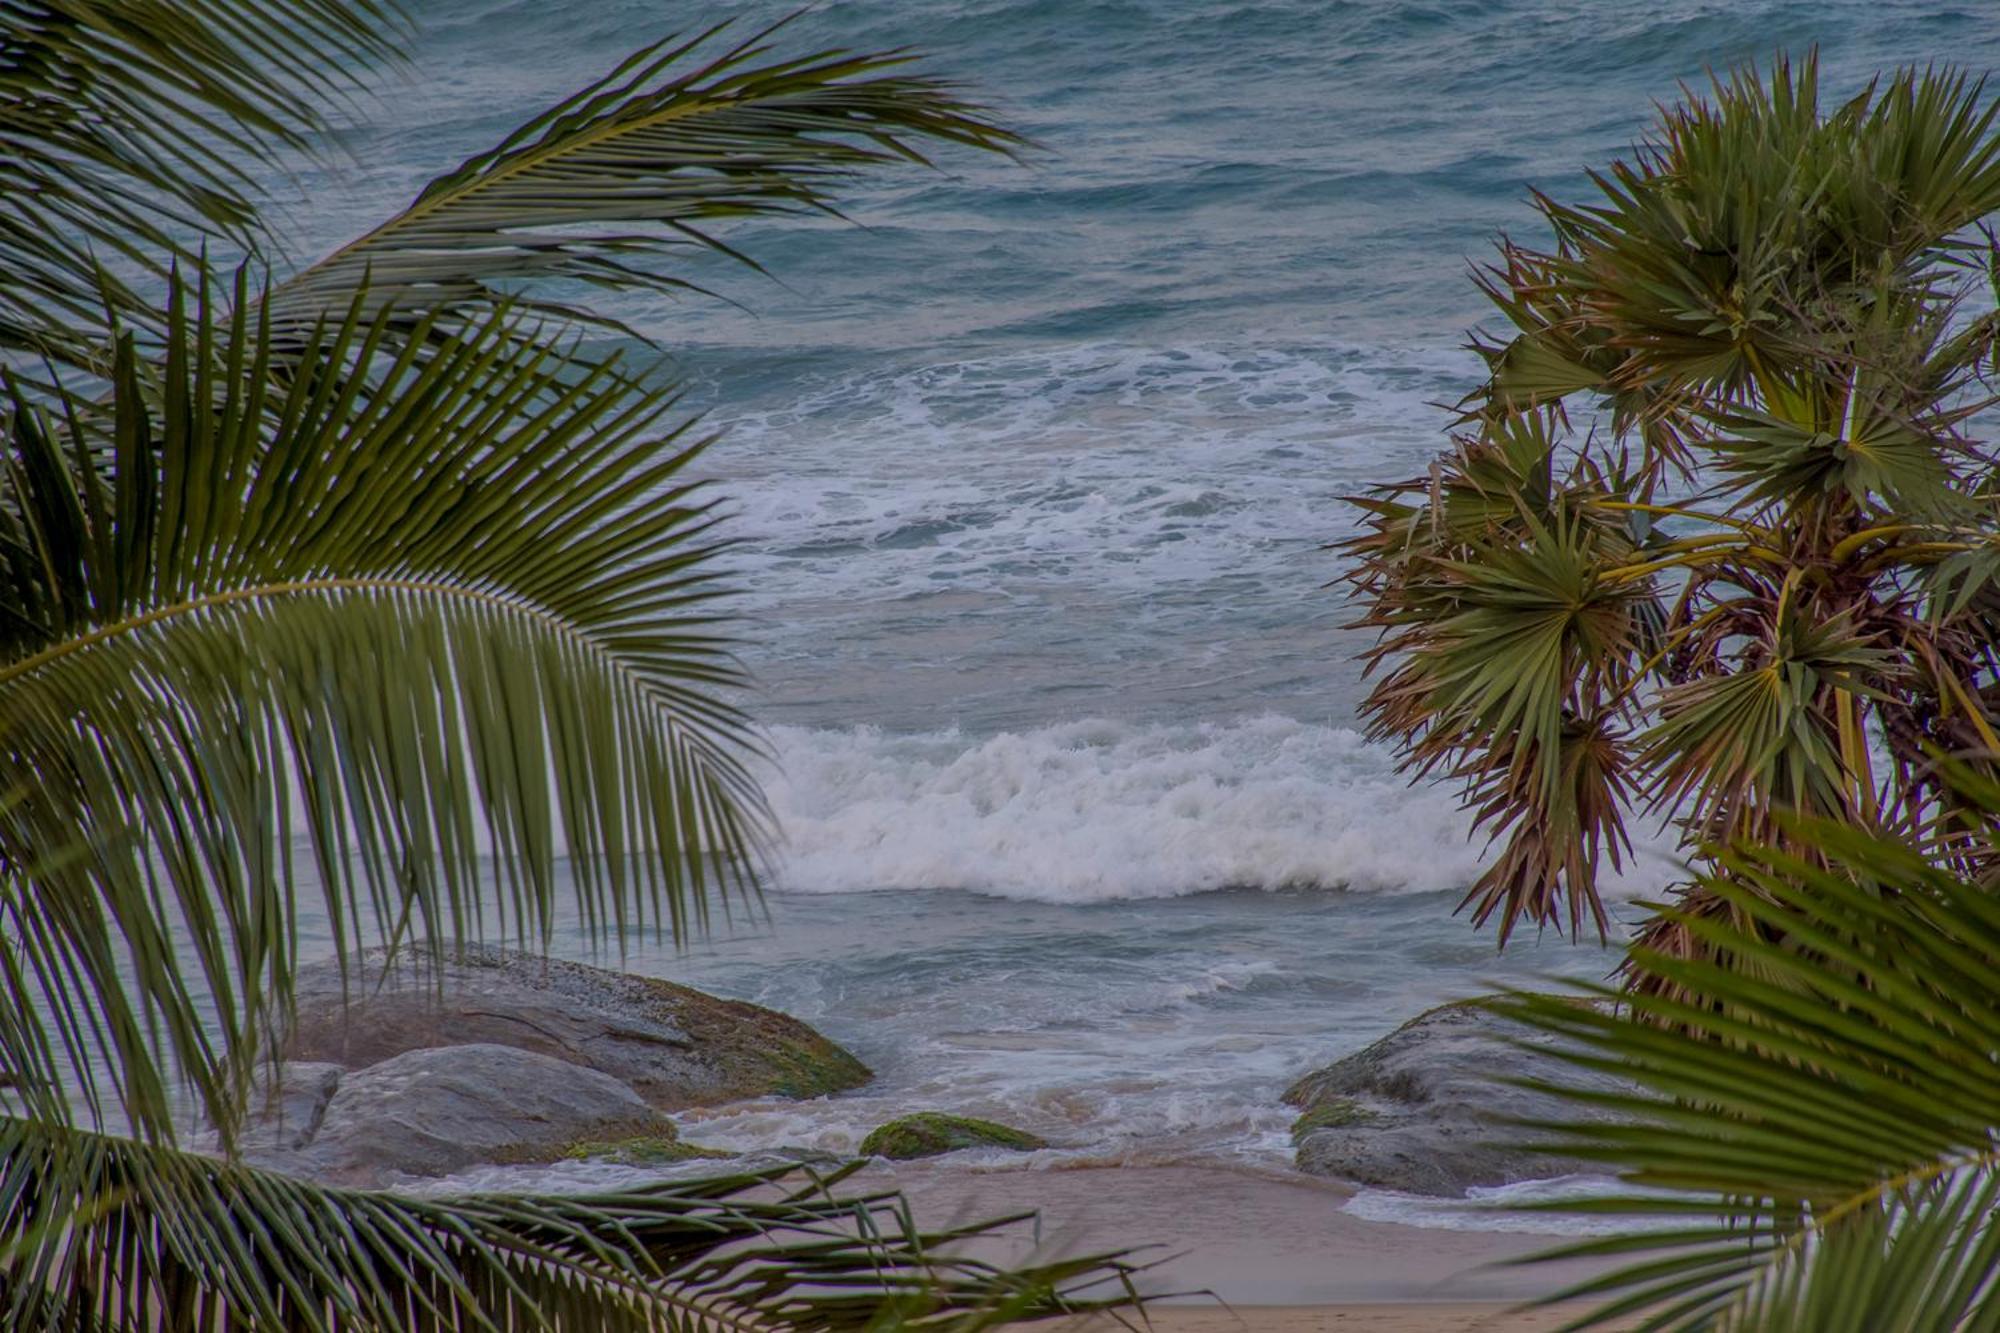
[(686, 133), (1818, 1098), (129, 126), (1769, 303), (384, 581), (119, 1235), (1513, 651), (442, 596)]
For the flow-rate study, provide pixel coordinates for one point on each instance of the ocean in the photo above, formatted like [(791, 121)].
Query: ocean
[(1034, 465)]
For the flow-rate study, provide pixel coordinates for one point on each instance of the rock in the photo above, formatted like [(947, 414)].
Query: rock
[(644, 1150), (1417, 1110), (929, 1133), (503, 1057), (431, 1112), (283, 1118), (674, 1046), (289, 1119)]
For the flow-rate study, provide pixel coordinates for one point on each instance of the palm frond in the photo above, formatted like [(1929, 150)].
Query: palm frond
[(378, 579), (1818, 1097), (118, 1235), (1769, 304), (130, 129), (1734, 746), (1510, 651), (684, 134), (445, 597)]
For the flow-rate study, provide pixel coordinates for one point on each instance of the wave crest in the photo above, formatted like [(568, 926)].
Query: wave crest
[(1098, 810)]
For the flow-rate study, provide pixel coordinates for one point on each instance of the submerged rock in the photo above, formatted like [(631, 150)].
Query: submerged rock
[(431, 1112), (674, 1046), (1417, 1111), (930, 1133)]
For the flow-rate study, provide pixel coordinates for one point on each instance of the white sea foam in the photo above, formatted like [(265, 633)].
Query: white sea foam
[(1097, 810), (1506, 1208), (1102, 464)]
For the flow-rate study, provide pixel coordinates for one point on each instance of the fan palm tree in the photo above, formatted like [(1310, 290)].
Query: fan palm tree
[(376, 570), (1817, 1137), (1717, 539)]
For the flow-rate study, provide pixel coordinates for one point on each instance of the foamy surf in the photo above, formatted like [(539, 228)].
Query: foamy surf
[(1192, 469), (1518, 1207), (1101, 810)]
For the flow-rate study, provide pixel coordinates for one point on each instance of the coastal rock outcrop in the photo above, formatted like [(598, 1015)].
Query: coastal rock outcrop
[(931, 1133), (1417, 1110), (498, 1056), (674, 1046)]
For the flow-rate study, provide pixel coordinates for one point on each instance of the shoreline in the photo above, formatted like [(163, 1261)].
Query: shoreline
[(1248, 1240)]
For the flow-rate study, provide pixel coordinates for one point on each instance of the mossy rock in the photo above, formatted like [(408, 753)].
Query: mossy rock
[(929, 1133), (675, 1046), (642, 1150), (1332, 1113)]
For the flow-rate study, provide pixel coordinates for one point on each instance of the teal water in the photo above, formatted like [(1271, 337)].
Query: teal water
[(1034, 469)]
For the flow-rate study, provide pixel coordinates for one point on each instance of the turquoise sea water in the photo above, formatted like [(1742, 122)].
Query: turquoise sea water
[(1034, 468)]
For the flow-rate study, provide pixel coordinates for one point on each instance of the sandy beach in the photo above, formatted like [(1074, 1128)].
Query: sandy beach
[(1233, 1250)]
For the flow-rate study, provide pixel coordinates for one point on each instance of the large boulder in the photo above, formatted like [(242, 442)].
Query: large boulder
[(432, 1112), (1418, 1111), (673, 1046)]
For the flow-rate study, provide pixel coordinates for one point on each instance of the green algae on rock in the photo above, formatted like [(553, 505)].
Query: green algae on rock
[(930, 1133), (1331, 1113), (642, 1150)]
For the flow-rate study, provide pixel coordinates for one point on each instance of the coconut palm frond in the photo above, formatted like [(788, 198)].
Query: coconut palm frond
[(438, 602), (130, 129), (685, 134), (114, 1234), (393, 587), (1817, 1100)]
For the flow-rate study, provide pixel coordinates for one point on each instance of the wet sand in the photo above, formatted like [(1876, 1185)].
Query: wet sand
[(1232, 1250)]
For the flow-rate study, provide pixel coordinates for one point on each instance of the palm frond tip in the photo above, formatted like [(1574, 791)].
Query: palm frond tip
[(686, 134), (1820, 1113)]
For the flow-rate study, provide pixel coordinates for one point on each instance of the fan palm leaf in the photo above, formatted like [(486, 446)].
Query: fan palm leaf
[(1816, 1121), (1510, 644)]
